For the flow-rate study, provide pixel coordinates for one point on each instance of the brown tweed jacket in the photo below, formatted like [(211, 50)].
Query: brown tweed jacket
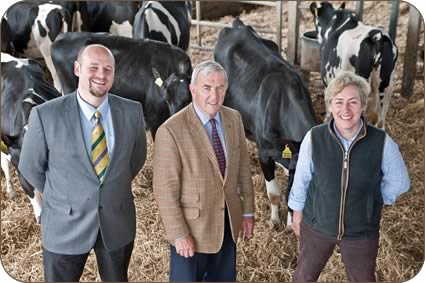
[(188, 186)]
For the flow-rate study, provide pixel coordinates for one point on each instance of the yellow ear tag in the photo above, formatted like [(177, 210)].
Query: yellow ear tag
[(3, 147), (286, 153), (159, 82)]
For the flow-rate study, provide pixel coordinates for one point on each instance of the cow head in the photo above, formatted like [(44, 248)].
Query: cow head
[(175, 88), (327, 18)]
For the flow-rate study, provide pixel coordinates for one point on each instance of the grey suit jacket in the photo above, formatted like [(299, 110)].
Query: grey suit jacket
[(76, 205)]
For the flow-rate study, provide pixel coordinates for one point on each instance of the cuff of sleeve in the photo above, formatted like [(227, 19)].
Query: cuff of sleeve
[(182, 237), (294, 205)]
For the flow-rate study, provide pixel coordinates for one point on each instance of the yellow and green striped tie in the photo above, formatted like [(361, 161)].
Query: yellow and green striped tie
[(99, 148)]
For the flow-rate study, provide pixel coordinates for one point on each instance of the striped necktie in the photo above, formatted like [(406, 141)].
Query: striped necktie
[(99, 148), (218, 148)]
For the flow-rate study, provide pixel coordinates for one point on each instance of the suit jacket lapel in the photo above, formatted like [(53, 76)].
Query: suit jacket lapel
[(118, 124), (228, 136), (201, 136), (74, 127)]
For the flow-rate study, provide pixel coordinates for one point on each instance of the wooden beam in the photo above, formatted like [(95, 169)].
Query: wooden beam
[(395, 7), (359, 10), (279, 25), (410, 56), (198, 19), (293, 31)]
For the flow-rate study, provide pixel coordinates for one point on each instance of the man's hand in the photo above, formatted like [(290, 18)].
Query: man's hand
[(248, 223), (296, 222), (185, 246)]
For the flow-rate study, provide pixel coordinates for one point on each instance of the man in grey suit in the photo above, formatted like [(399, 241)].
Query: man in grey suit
[(82, 151)]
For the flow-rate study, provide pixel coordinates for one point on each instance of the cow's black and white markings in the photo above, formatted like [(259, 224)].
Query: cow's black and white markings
[(23, 86), (274, 103), (348, 44), (153, 73), (32, 28), (167, 21)]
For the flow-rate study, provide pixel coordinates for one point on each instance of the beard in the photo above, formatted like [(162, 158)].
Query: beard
[(96, 92)]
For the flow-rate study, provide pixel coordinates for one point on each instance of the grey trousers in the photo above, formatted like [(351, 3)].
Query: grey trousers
[(112, 265)]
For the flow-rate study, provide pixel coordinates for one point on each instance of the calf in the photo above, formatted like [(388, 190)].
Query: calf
[(23, 87), (33, 27), (167, 21), (274, 103), (153, 73), (347, 44)]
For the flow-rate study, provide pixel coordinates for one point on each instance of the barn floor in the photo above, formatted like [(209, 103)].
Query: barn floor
[(270, 255)]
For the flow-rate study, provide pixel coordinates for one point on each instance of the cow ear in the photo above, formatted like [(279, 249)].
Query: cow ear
[(342, 7), (183, 67), (313, 8)]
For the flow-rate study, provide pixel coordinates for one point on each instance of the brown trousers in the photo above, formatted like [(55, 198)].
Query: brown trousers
[(358, 256)]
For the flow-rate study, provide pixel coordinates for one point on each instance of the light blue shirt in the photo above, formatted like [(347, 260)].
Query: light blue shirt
[(205, 120), (87, 122), (395, 176)]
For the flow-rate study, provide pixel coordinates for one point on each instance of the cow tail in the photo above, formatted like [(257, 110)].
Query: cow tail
[(377, 38)]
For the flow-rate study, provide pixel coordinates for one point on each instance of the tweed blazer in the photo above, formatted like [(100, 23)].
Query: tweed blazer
[(188, 186), (76, 204)]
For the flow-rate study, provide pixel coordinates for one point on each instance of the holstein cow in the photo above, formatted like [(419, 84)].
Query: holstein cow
[(115, 17), (22, 87), (154, 73), (167, 21), (79, 13), (33, 27), (274, 103), (347, 44)]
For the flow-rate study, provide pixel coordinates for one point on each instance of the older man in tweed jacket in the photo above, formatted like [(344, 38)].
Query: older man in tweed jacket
[(202, 181)]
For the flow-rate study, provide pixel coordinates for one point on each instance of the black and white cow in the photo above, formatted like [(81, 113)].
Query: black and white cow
[(274, 103), (347, 44), (32, 28), (79, 13), (6, 44), (154, 73), (22, 87), (115, 17), (167, 21)]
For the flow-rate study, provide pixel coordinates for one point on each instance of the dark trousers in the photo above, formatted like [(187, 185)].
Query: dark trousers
[(358, 256), (113, 265), (219, 267)]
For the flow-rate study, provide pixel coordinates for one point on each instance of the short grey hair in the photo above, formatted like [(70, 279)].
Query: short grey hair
[(206, 67), (344, 79)]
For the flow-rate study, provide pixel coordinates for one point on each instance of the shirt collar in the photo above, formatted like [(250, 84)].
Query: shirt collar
[(350, 140), (89, 110), (204, 117)]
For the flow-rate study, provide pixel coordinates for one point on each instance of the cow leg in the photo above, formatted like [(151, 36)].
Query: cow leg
[(372, 110), (273, 189), (36, 205), (5, 160), (34, 196), (288, 190), (384, 103), (45, 51)]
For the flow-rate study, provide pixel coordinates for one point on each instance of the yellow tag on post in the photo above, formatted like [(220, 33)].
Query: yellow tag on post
[(287, 153)]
